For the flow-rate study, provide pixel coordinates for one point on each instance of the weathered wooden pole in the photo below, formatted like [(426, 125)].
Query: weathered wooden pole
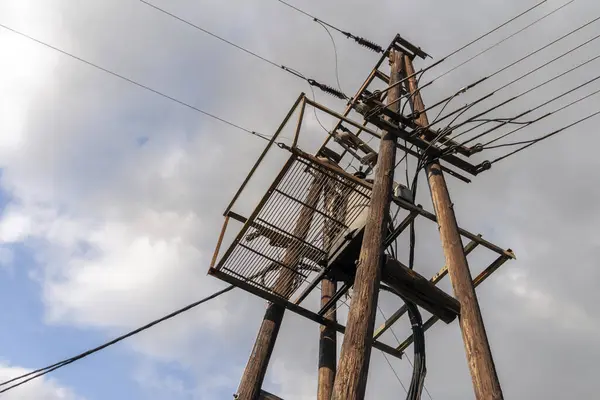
[(479, 355), (254, 374), (327, 344), (351, 376), (335, 201)]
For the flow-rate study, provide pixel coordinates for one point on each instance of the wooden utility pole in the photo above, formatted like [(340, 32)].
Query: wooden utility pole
[(327, 344), (351, 377), (335, 202), (254, 374), (479, 355)]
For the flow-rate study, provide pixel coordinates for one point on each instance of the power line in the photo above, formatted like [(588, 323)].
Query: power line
[(360, 40), (496, 28), (529, 143), (421, 71), (503, 40), (486, 145), (409, 361), (46, 370), (328, 89), (538, 86), (394, 371), (514, 98), (162, 10), (335, 53), (528, 123), (471, 86), (122, 77)]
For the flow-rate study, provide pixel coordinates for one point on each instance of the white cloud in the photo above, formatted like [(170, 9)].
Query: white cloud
[(123, 233), (38, 389)]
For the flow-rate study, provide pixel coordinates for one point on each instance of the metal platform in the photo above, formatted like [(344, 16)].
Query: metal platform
[(270, 235), (299, 231)]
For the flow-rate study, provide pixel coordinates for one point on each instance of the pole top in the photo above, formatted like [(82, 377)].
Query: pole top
[(408, 48)]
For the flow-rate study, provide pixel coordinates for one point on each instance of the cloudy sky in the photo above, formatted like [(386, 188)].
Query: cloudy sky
[(111, 196)]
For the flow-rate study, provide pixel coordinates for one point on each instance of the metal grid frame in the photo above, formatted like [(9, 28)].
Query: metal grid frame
[(256, 254), (311, 247)]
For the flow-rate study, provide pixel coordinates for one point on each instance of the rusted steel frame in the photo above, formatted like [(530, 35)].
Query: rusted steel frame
[(402, 310), (476, 238), (402, 134), (476, 282), (341, 117), (309, 207), (351, 177), (298, 309), (428, 133), (237, 217), (356, 97), (300, 119), (338, 295), (403, 225), (219, 242), (424, 145), (406, 45), (263, 154), (382, 75), (335, 171), (444, 271), (254, 214)]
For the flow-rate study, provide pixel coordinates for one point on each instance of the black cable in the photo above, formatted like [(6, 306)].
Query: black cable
[(486, 145), (162, 10), (265, 137), (46, 370), (419, 367), (467, 45), (511, 100), (394, 371), (503, 40), (360, 40), (510, 66), (337, 71), (323, 87), (535, 87), (412, 233), (529, 143), (527, 123)]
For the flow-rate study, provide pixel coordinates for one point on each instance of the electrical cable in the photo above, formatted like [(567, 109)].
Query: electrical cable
[(46, 370), (529, 143), (419, 369), (527, 123), (471, 86), (503, 40), (328, 89), (337, 71), (122, 77), (512, 99), (398, 341), (486, 145), (466, 45), (360, 40), (395, 373), (535, 87)]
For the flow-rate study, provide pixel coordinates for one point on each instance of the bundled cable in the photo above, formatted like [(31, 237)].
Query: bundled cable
[(419, 367)]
